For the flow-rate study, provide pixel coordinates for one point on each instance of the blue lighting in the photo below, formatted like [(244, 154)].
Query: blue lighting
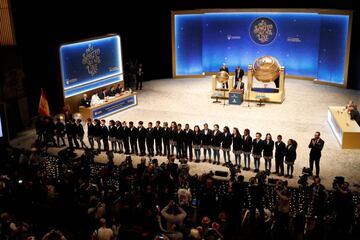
[(204, 41), (90, 64)]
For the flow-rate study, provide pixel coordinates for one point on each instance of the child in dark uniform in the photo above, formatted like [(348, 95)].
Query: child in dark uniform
[(258, 147)]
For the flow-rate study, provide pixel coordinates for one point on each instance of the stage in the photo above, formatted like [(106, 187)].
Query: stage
[(304, 111)]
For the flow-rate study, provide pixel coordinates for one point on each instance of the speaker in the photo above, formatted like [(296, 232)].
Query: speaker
[(221, 173)]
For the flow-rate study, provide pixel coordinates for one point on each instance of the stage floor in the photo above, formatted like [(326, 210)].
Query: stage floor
[(303, 112)]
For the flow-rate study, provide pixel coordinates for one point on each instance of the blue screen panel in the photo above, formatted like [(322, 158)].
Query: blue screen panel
[(227, 40), (332, 48), (308, 44), (90, 64), (188, 44)]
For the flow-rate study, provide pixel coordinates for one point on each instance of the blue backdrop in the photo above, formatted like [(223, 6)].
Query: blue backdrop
[(307, 44), (91, 64)]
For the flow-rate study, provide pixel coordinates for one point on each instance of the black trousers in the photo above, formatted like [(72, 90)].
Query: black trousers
[(72, 140), (106, 143), (133, 145), (158, 146), (142, 147), (279, 165), (166, 147), (179, 149), (58, 137), (188, 146), (139, 81), (126, 145), (150, 147), (317, 164)]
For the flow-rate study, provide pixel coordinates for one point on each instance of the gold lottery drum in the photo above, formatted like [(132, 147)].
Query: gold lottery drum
[(266, 69)]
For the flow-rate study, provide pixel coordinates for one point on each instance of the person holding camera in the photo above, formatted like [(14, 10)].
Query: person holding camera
[(281, 225), (173, 214), (257, 194)]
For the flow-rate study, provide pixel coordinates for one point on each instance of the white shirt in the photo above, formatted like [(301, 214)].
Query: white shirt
[(95, 100)]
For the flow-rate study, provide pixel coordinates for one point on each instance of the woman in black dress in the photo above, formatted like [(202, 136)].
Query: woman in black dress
[(290, 157), (226, 145), (268, 151), (258, 147), (197, 143), (237, 146), (97, 133), (247, 147), (172, 141), (216, 143)]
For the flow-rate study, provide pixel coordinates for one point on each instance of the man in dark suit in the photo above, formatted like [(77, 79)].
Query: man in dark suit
[(280, 152), (188, 139), (71, 133), (111, 92), (316, 145), (102, 94), (239, 73), (179, 139), (226, 69), (141, 138), (133, 135), (85, 101), (150, 139), (139, 76), (166, 139), (105, 135), (158, 132)]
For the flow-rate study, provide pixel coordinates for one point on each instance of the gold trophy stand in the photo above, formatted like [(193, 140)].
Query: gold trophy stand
[(273, 97)]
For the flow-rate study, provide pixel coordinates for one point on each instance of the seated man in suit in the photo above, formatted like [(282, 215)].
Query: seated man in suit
[(353, 111), (111, 92), (102, 94), (239, 73), (85, 101), (119, 89)]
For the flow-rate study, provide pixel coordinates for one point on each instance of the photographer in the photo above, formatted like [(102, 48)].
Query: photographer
[(257, 193), (173, 214), (318, 197), (344, 209), (281, 225)]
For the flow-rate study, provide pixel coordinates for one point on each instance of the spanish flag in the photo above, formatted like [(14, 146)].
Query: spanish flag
[(43, 109)]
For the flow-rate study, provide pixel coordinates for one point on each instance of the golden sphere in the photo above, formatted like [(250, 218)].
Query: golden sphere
[(266, 69), (222, 77)]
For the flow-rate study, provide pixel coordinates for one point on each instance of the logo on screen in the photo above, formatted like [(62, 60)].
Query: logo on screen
[(91, 59), (263, 30)]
